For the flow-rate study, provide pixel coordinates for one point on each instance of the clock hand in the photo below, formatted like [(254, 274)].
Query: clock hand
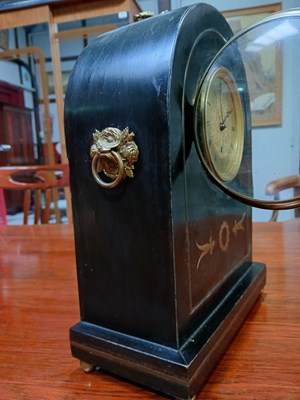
[(220, 97), (222, 123)]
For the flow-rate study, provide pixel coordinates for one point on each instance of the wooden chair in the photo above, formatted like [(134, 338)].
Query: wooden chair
[(278, 185), (40, 184)]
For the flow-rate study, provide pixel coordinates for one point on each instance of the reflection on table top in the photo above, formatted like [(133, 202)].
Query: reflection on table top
[(39, 303)]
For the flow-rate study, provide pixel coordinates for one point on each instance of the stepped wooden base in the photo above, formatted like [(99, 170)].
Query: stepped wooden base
[(176, 372)]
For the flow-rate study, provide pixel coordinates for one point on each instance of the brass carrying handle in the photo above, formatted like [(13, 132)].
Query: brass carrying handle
[(95, 170), (113, 154)]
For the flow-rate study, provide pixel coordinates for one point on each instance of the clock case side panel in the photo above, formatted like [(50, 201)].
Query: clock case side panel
[(203, 213), (123, 236)]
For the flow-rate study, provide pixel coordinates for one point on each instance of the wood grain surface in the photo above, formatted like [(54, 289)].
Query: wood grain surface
[(39, 303)]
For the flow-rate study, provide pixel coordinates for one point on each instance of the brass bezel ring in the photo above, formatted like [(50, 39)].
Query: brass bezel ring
[(114, 183)]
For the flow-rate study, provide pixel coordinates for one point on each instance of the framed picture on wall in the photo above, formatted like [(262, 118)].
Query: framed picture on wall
[(4, 39), (64, 78), (263, 67)]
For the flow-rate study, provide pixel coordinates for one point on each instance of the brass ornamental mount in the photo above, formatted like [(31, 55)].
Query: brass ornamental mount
[(142, 15), (113, 154)]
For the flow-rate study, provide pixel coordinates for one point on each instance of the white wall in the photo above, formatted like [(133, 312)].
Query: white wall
[(149, 5), (10, 72)]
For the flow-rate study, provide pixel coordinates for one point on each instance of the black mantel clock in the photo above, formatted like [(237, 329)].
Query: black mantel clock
[(164, 255)]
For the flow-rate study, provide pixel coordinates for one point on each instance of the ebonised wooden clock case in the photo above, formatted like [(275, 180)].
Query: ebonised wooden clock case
[(164, 259)]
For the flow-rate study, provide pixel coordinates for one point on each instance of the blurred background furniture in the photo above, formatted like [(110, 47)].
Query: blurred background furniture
[(278, 185), (40, 186), (3, 219), (15, 129)]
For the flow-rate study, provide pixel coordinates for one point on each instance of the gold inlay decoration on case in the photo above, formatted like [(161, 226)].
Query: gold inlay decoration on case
[(206, 248)]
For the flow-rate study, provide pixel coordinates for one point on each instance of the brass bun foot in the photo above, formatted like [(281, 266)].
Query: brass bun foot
[(86, 367)]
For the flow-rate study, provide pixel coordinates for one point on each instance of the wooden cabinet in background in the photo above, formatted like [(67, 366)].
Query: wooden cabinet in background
[(11, 94), (16, 130)]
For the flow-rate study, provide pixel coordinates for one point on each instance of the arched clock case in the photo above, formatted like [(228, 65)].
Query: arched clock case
[(164, 257)]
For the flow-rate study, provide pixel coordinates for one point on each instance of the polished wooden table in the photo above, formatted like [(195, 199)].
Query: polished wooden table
[(39, 302)]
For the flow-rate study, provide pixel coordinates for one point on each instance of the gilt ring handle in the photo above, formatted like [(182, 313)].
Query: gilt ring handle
[(113, 153), (117, 179)]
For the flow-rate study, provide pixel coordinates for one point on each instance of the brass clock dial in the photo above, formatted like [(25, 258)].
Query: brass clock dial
[(220, 124)]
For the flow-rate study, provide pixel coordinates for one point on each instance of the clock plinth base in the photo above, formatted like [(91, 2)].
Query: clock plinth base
[(176, 372)]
